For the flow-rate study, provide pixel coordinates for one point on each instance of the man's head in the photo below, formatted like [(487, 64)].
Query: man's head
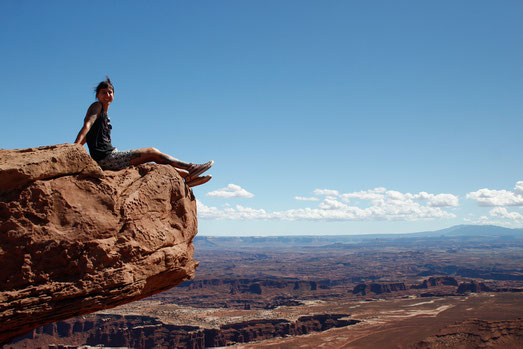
[(105, 90)]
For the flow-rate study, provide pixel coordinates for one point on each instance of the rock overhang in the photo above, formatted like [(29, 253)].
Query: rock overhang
[(75, 239)]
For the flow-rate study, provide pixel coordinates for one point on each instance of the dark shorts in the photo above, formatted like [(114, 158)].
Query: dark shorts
[(117, 160)]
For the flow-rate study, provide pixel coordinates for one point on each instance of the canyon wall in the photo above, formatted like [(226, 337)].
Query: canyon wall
[(143, 332)]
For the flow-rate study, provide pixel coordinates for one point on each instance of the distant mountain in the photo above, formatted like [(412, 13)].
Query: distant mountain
[(282, 241), (342, 241), (205, 241), (472, 230)]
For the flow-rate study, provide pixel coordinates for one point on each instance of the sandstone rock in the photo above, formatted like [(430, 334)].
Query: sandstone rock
[(75, 239), (21, 166)]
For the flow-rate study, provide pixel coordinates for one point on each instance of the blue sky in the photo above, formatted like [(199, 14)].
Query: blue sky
[(323, 117)]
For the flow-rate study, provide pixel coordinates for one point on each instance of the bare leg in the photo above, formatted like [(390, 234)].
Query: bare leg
[(185, 169), (145, 155)]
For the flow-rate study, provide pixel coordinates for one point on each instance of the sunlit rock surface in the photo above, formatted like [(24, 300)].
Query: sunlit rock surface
[(75, 239)]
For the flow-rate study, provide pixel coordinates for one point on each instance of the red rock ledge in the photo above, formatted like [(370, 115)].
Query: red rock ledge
[(75, 239)]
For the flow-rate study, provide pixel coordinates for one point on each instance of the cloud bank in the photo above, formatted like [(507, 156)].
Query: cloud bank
[(488, 197), (381, 204), (378, 204), (501, 212)]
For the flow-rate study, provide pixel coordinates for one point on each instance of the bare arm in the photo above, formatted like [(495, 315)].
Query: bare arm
[(92, 113)]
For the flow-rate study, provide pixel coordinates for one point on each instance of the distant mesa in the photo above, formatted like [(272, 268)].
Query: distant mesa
[(75, 239), (252, 286), (436, 281), (473, 287)]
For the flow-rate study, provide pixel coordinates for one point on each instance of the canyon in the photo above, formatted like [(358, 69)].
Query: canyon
[(252, 292)]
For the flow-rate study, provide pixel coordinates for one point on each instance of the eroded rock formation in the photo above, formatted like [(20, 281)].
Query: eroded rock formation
[(146, 332), (473, 287), (476, 333), (75, 239), (254, 286), (436, 281)]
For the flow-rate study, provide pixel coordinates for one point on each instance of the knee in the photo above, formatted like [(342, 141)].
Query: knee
[(152, 151)]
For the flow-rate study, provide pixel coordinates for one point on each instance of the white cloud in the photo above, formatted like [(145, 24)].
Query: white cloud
[(237, 212), (488, 197), (395, 195), (382, 205), (439, 200), (231, 191), (302, 198), (347, 213), (332, 204), (502, 212), (373, 194), (379, 195), (327, 192)]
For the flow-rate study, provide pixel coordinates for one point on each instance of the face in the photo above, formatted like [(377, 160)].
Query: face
[(105, 95)]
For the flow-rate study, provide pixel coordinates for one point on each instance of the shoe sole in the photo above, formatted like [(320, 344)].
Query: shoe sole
[(199, 181)]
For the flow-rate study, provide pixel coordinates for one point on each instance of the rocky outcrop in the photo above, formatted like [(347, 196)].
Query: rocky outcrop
[(254, 286), (473, 287), (19, 167), (476, 333), (147, 332), (256, 330), (479, 273), (436, 281), (75, 239)]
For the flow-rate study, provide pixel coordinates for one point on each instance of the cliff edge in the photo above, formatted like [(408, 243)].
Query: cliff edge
[(75, 239)]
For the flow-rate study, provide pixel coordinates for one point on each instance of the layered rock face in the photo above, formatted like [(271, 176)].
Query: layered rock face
[(75, 239), (476, 333), (436, 281), (255, 286), (144, 332), (473, 286)]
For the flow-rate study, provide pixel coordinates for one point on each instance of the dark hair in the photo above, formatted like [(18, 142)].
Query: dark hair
[(104, 84)]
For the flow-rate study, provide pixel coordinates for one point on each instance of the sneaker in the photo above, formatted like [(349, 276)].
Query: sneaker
[(195, 170), (198, 181)]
